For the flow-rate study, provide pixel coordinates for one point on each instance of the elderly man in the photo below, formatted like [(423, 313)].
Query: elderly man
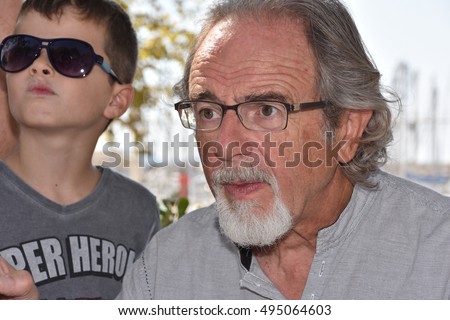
[(292, 128), (8, 134)]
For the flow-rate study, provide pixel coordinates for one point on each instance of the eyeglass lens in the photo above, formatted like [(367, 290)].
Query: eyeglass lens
[(257, 115)]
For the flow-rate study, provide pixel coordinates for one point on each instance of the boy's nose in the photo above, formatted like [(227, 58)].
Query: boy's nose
[(42, 64)]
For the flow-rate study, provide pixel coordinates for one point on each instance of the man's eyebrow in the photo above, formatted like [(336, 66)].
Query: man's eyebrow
[(204, 95), (270, 95)]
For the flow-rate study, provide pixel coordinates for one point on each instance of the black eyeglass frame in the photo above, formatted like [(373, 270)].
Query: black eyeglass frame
[(96, 58), (290, 107)]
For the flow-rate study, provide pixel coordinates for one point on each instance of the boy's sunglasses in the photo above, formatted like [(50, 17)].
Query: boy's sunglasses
[(71, 57)]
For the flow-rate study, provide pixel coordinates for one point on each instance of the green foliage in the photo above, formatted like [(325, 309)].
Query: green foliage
[(164, 40), (172, 209)]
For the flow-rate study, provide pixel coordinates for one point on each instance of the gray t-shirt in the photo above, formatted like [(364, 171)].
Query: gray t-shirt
[(392, 242), (79, 251)]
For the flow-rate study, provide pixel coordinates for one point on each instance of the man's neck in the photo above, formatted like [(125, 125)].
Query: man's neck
[(288, 262)]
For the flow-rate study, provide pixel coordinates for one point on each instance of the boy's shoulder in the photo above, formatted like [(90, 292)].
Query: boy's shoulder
[(120, 183)]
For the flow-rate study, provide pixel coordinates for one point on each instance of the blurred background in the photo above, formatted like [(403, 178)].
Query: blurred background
[(406, 38)]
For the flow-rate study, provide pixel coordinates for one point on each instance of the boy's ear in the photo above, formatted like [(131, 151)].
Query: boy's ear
[(120, 101), (352, 129)]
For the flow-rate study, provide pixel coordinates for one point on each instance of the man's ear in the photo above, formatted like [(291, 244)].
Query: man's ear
[(121, 99), (353, 124)]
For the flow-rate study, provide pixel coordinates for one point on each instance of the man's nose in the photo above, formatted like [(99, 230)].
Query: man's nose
[(235, 141)]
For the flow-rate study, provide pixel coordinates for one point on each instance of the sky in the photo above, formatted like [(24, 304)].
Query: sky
[(416, 33), (412, 31)]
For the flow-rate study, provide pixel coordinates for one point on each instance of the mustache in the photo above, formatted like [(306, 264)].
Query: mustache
[(242, 174)]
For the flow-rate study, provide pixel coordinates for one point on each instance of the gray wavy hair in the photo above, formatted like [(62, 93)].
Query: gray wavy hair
[(346, 74)]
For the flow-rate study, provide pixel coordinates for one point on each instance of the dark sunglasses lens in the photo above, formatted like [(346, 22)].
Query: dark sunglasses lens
[(71, 58), (18, 53)]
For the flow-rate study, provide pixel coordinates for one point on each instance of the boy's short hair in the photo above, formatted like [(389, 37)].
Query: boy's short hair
[(120, 38)]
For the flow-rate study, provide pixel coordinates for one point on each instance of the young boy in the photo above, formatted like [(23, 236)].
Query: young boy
[(75, 227)]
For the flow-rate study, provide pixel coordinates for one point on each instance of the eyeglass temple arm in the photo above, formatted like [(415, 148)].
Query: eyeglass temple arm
[(107, 68), (310, 105)]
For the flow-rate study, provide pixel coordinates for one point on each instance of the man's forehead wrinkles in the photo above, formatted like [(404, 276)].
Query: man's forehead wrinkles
[(271, 76), (230, 71), (269, 59)]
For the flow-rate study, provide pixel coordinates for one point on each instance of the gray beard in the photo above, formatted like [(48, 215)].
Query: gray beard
[(247, 223)]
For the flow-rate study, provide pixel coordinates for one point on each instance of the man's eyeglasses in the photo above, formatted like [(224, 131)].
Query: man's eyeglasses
[(254, 115), (70, 57)]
